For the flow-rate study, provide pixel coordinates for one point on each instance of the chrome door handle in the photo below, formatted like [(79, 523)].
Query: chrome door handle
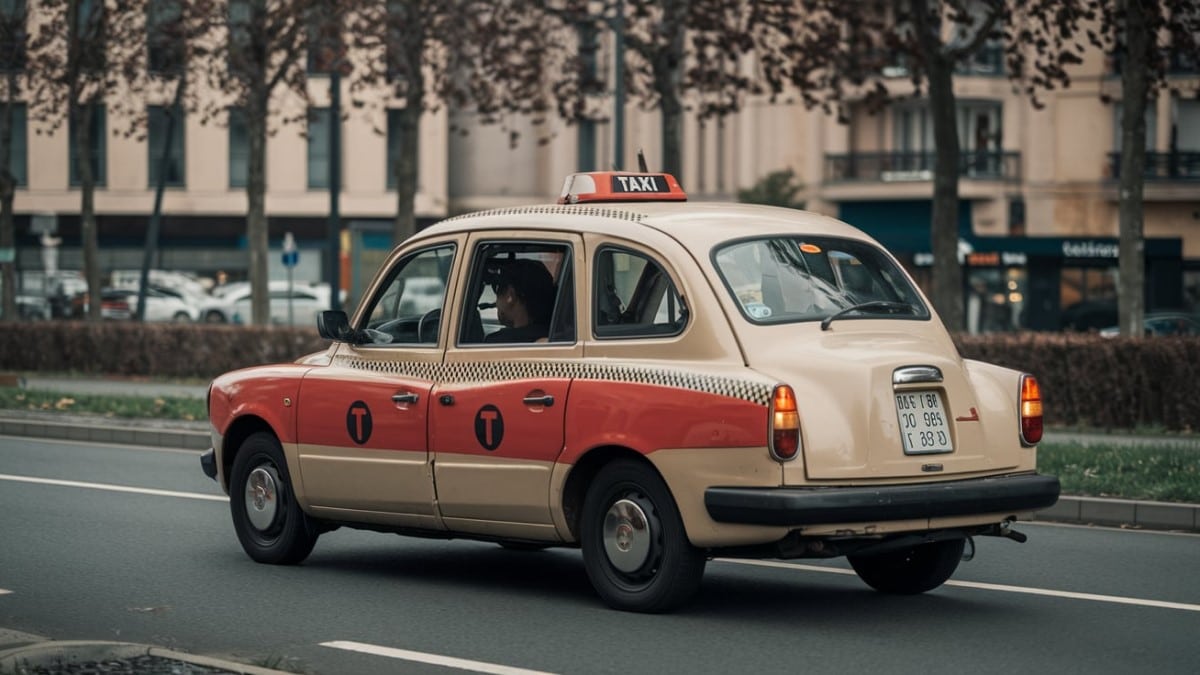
[(546, 400), (408, 397)]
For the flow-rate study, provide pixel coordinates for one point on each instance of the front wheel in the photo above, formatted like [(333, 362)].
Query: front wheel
[(912, 570), (635, 549), (266, 516)]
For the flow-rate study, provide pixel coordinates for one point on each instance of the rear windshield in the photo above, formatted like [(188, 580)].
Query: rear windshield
[(792, 279)]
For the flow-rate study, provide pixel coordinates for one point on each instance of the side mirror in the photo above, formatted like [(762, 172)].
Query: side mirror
[(334, 325)]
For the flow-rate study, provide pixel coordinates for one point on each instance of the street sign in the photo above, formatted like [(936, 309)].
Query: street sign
[(290, 255)]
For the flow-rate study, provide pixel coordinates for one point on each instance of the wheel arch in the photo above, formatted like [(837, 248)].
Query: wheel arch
[(241, 429), (584, 471)]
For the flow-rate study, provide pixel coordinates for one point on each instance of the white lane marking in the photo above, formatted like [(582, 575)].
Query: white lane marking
[(1003, 588), (113, 488), (104, 444), (432, 659), (3, 591)]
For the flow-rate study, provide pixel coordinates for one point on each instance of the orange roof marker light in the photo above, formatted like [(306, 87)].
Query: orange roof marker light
[(620, 186)]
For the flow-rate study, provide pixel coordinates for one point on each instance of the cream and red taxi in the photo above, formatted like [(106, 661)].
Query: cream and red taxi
[(713, 380)]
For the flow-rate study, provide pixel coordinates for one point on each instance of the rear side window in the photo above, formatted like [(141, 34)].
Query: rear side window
[(634, 297), (792, 279)]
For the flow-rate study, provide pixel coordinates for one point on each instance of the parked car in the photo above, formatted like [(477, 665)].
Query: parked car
[(1162, 323), (692, 380), (231, 304), (161, 305)]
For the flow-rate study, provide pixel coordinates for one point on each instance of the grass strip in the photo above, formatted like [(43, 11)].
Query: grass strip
[(143, 407), (1124, 471)]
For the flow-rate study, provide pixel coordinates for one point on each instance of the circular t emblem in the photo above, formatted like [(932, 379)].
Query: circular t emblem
[(489, 427), (358, 422)]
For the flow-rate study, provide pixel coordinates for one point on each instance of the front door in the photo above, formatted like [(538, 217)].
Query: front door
[(363, 419)]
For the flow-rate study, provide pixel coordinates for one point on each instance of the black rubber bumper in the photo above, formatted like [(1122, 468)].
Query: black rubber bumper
[(208, 462), (823, 505)]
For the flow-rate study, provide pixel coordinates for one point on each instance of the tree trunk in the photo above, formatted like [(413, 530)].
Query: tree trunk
[(85, 112), (947, 272), (7, 227), (668, 73), (1134, 87), (408, 137), (256, 214)]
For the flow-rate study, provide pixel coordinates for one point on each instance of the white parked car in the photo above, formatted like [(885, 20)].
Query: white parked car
[(231, 303), (161, 305)]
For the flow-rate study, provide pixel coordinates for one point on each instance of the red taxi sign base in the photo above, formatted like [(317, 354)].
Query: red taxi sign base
[(620, 186)]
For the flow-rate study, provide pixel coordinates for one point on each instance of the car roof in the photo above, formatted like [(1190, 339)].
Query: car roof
[(699, 225)]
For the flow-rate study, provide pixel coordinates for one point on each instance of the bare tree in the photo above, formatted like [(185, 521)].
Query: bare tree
[(79, 53), (13, 34), (847, 50), (1147, 36), (254, 54), (420, 55), (706, 55)]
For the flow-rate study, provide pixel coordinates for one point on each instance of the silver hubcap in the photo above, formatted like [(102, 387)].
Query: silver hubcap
[(262, 497), (627, 536)]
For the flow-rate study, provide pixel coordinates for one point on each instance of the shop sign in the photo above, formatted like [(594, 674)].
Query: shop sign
[(1090, 249)]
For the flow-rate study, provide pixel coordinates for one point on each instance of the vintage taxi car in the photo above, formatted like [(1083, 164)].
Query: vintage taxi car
[(713, 380)]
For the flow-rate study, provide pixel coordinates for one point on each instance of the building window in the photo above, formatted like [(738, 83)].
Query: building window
[(1151, 125), (159, 117), (318, 148), (98, 143), (12, 35), (164, 43), (397, 20), (90, 34), (239, 149), (324, 32), (393, 145), (241, 21), (18, 159)]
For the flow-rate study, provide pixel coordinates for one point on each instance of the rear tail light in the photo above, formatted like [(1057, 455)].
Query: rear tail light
[(784, 438), (1031, 410)]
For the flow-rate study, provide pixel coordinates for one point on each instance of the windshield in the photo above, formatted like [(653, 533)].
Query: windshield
[(792, 279)]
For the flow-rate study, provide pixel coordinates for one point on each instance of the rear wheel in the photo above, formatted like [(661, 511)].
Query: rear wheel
[(910, 570), (266, 516), (635, 548)]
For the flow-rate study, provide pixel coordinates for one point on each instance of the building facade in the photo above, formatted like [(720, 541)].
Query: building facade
[(1038, 217)]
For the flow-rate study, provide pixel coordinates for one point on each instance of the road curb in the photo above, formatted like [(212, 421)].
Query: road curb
[(53, 656), (106, 432), (1069, 509)]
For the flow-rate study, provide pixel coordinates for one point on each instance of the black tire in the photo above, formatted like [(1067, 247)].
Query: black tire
[(648, 565), (268, 521), (912, 570), (213, 316)]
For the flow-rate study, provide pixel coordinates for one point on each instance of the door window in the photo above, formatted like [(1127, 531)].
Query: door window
[(408, 308), (519, 292), (634, 296)]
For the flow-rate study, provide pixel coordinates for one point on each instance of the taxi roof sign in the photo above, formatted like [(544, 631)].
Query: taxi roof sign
[(620, 186)]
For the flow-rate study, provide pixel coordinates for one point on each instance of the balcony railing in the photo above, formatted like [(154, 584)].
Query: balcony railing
[(891, 167), (1162, 166)]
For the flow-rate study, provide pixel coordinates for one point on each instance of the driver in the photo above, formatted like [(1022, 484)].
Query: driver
[(524, 301)]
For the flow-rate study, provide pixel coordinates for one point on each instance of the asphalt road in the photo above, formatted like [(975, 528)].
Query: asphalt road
[(136, 544)]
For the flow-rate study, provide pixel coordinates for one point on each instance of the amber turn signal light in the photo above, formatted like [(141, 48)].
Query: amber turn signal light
[(1031, 410), (785, 424)]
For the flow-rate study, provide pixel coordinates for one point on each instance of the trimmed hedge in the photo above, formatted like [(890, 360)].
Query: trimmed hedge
[(1086, 380), (150, 349)]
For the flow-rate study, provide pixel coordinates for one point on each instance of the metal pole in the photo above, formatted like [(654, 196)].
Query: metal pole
[(335, 186), (619, 88)]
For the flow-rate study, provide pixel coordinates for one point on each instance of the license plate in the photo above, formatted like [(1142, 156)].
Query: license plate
[(923, 425)]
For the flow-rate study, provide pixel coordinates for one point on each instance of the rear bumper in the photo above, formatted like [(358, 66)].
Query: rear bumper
[(826, 505)]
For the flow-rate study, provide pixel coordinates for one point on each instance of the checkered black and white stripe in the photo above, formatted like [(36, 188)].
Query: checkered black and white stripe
[(754, 391), (563, 209)]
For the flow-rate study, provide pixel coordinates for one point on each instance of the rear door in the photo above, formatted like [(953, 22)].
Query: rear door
[(497, 421)]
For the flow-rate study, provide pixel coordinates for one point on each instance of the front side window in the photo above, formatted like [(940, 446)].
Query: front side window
[(633, 296), (520, 292), (794, 279), (408, 308)]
